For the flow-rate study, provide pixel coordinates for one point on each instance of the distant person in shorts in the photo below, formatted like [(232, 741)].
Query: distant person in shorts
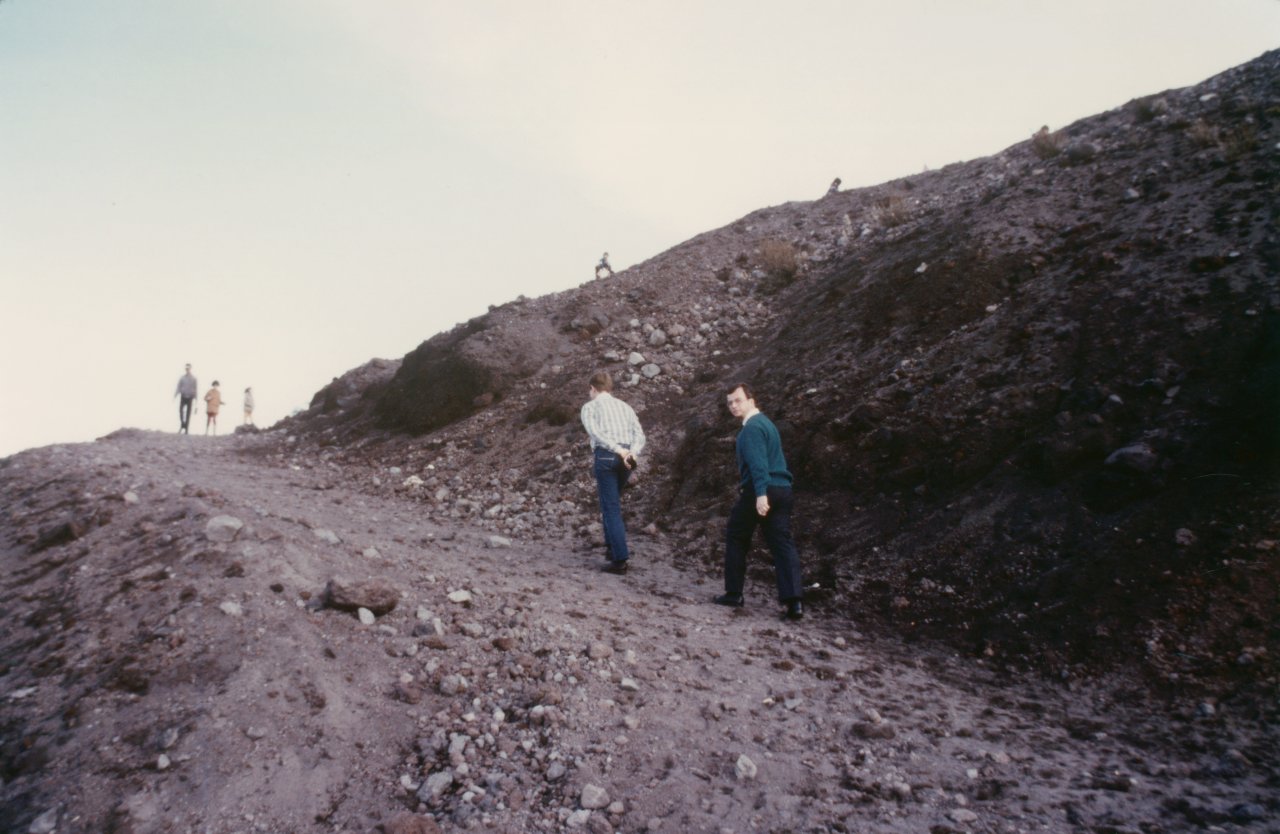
[(187, 390), (248, 406), (616, 439), (604, 265), (212, 405), (835, 187)]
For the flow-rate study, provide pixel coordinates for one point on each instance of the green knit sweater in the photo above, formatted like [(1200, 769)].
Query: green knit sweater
[(760, 461)]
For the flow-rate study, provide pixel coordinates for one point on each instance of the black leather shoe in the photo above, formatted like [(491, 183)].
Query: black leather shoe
[(619, 567), (795, 610), (731, 600)]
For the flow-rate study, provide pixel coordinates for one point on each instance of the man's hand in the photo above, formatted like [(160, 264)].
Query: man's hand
[(762, 505)]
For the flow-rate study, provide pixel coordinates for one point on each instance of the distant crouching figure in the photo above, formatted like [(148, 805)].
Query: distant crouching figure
[(603, 266)]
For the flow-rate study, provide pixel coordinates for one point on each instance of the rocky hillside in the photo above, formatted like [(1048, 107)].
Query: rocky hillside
[(1030, 399)]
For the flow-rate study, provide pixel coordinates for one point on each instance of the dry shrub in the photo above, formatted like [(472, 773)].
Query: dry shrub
[(780, 263), (1047, 145), (889, 211), (1203, 134), (1240, 141), (1149, 108)]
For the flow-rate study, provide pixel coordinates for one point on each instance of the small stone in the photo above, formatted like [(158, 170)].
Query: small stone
[(231, 609), (634, 358), (435, 786), (1139, 457), (370, 553), (873, 730), (1184, 537), (594, 797), (452, 685), (578, 819), (629, 684), (327, 536), (462, 597), (46, 823), (617, 807), (131, 497), (556, 771), (963, 816), (496, 542), (599, 651), (920, 270), (650, 371), (745, 768), (222, 528), (1247, 812), (1079, 152), (366, 616), (255, 733), (658, 338), (169, 738), (163, 762)]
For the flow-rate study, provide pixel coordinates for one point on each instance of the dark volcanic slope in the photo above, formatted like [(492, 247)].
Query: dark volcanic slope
[(1031, 399)]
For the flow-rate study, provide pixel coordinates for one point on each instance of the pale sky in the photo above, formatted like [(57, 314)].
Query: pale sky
[(277, 191)]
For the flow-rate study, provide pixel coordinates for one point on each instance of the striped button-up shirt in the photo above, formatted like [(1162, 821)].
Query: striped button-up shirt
[(612, 424)]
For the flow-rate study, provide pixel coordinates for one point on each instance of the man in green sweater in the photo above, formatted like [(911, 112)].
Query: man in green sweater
[(765, 500)]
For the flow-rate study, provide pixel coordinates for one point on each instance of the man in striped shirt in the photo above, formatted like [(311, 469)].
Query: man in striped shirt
[(616, 439)]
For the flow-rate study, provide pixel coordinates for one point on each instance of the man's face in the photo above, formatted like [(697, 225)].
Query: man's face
[(738, 402), (188, 369)]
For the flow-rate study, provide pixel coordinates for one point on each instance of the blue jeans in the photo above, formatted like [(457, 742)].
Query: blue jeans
[(611, 477), (743, 520)]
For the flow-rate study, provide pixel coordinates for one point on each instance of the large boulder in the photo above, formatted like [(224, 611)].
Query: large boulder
[(352, 595)]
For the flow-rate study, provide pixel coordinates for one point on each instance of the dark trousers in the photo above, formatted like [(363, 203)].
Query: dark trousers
[(743, 520), (611, 477), (184, 413)]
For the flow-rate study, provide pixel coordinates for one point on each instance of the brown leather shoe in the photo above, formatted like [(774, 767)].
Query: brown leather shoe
[(618, 567)]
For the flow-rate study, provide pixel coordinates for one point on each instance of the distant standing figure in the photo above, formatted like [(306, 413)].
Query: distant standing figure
[(835, 187), (616, 439), (187, 390), (604, 265), (212, 404), (248, 406), (764, 500)]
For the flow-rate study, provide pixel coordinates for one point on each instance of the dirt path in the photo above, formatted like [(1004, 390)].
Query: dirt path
[(157, 679)]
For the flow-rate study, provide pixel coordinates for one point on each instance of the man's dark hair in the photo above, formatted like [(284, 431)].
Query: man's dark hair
[(746, 389), (601, 381)]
